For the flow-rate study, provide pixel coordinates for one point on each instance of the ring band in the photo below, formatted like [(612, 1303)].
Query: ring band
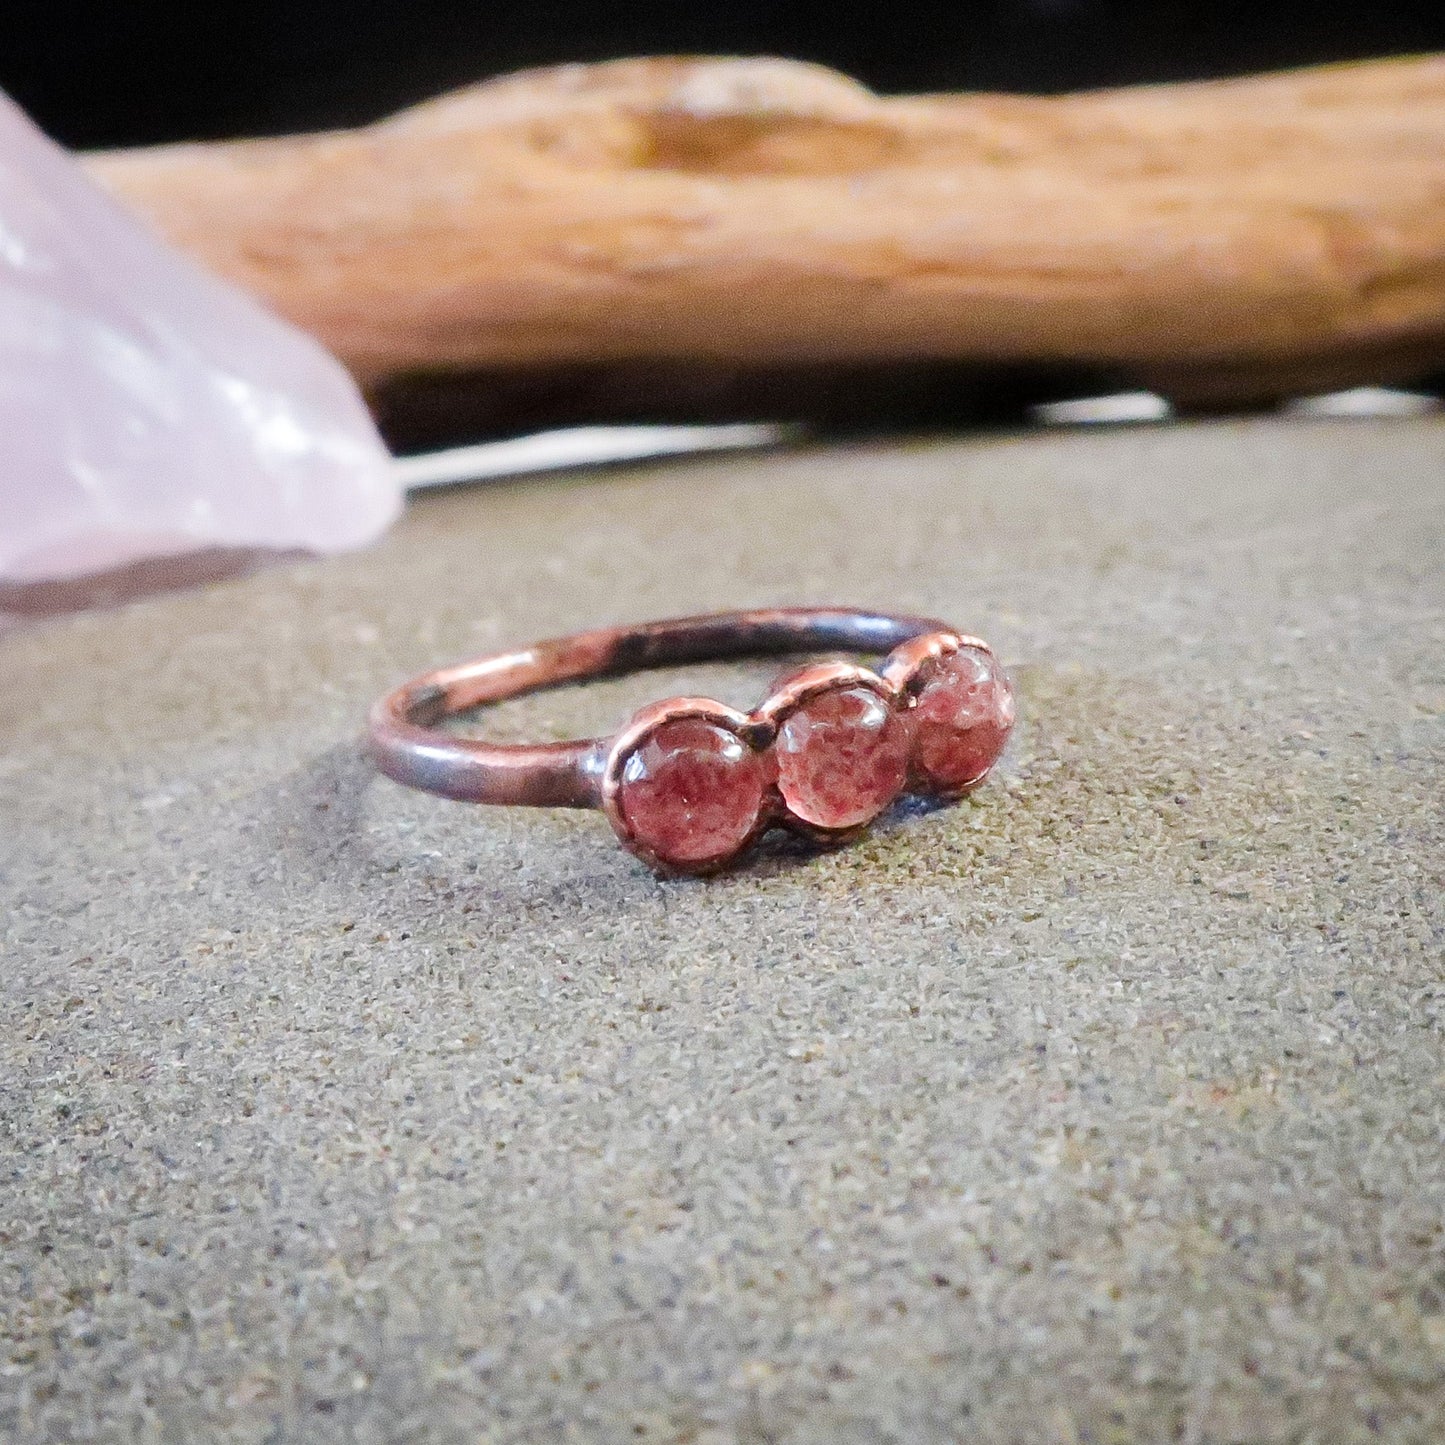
[(689, 783)]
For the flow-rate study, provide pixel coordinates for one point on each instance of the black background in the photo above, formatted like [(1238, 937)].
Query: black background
[(128, 72)]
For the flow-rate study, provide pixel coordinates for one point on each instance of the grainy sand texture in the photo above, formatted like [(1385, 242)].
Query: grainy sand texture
[(1108, 1106)]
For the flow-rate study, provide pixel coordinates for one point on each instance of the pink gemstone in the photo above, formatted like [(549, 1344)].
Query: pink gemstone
[(842, 757), (147, 408), (962, 720), (691, 793)]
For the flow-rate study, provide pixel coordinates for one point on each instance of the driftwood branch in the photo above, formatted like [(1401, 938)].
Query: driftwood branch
[(1222, 243)]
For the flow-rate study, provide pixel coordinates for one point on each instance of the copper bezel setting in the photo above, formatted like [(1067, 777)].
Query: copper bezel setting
[(643, 724), (794, 692), (909, 668)]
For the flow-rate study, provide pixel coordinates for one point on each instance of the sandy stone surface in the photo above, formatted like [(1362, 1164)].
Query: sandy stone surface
[(1107, 1106)]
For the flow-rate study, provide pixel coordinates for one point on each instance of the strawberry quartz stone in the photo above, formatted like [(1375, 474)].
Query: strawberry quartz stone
[(691, 793), (961, 721), (842, 757)]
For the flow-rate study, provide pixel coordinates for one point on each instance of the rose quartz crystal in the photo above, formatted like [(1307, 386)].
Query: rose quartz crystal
[(691, 793), (146, 408), (842, 757), (962, 721)]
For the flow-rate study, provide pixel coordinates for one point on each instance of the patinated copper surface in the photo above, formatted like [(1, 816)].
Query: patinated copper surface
[(407, 745)]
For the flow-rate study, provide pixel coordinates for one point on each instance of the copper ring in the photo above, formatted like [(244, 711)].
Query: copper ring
[(688, 784)]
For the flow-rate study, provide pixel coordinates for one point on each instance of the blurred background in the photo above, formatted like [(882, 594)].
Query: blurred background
[(100, 73)]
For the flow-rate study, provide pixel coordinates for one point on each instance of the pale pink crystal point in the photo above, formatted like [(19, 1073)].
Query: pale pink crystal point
[(148, 409)]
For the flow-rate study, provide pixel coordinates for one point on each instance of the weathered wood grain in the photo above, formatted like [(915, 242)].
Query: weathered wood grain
[(1222, 242)]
